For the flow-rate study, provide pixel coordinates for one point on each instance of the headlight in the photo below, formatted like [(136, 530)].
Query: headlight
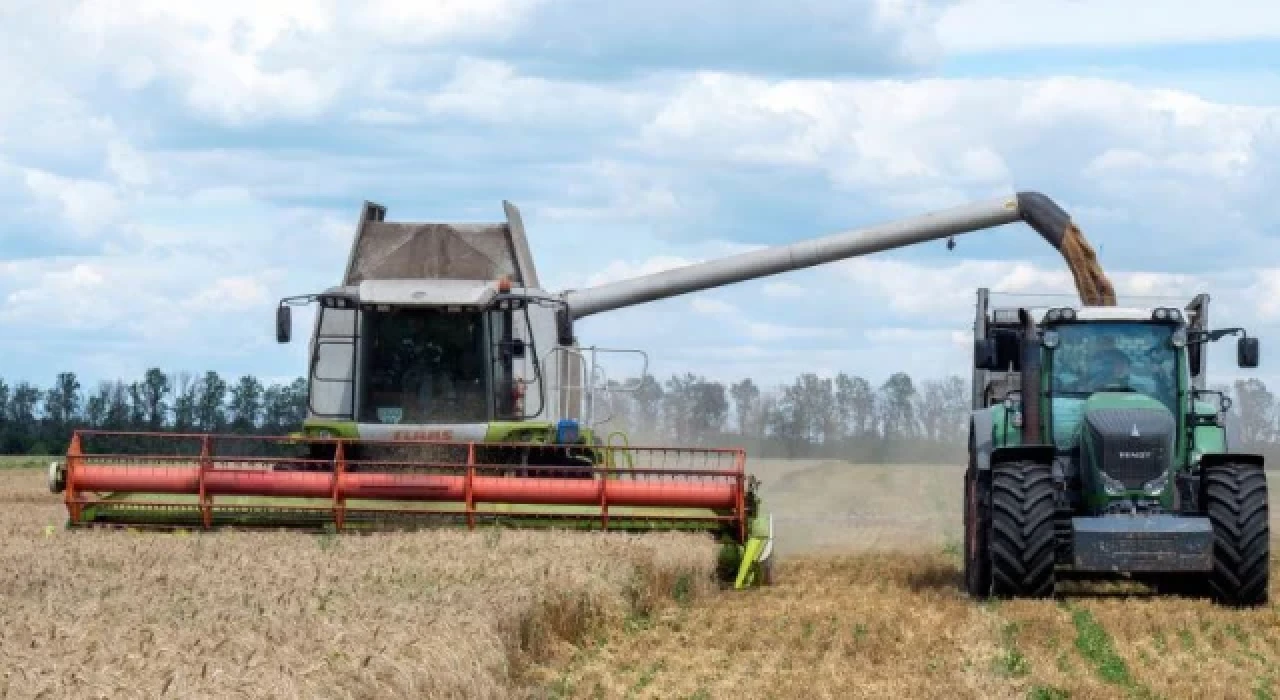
[(1156, 486), (1111, 486)]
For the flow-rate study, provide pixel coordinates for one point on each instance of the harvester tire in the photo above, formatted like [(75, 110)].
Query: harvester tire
[(977, 533), (1236, 503), (1023, 543)]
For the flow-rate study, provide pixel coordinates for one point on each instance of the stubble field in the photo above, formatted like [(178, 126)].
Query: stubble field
[(866, 604)]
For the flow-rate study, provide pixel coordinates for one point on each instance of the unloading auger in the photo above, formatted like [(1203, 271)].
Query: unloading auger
[(446, 387)]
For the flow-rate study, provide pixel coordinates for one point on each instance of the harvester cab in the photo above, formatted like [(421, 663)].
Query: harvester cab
[(1096, 449), (440, 332), (447, 387)]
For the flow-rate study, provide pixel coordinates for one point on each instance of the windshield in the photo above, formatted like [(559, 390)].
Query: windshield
[(1117, 357), (425, 366)]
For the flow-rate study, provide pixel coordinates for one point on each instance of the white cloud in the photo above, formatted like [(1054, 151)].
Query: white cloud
[(621, 269), (984, 25), (89, 206), (713, 307), (1267, 293), (434, 21), (241, 293), (966, 136), (784, 290)]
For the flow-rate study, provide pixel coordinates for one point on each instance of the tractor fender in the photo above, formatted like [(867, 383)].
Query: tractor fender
[(981, 430), (1038, 454), (1215, 459)]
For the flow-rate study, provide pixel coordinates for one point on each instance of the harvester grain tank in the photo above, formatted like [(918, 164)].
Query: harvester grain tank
[(446, 386), (1096, 450)]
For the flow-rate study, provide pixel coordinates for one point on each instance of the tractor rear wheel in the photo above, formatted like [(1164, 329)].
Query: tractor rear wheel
[(1236, 503), (977, 533), (1023, 543)]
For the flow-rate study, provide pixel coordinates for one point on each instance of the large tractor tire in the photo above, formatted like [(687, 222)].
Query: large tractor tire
[(977, 533), (1023, 544), (1235, 499)]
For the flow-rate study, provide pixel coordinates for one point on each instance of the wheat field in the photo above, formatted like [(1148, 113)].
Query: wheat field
[(866, 603), (114, 614)]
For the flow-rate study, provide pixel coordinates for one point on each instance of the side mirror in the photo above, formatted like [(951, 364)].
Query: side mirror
[(1247, 353), (517, 348), (284, 323), (985, 354)]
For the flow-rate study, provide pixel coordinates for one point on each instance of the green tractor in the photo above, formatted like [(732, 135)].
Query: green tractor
[(1096, 451)]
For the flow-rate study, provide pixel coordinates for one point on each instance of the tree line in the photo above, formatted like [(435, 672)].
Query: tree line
[(39, 421), (842, 417)]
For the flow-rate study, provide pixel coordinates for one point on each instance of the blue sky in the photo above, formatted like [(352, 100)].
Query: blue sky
[(168, 173)]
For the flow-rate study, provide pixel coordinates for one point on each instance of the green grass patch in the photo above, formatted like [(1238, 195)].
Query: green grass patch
[(1095, 644), (1047, 692), (25, 461), (1262, 690), (1011, 663)]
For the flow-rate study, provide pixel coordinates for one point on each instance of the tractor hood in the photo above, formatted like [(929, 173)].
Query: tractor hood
[(1127, 443)]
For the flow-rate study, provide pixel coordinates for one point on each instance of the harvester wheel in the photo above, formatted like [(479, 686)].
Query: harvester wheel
[(1236, 503), (977, 533), (1022, 535)]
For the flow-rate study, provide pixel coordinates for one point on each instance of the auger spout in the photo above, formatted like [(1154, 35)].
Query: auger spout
[(1036, 209)]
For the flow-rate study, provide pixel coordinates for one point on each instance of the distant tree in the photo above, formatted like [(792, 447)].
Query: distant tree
[(246, 404), (710, 410), (898, 416), (153, 392), (117, 415), (746, 403), (297, 393), (856, 405), (62, 402), (185, 402), (95, 409), (648, 400), (211, 414), (137, 407), (1256, 409)]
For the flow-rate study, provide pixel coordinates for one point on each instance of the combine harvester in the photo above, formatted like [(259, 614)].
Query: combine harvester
[(446, 387)]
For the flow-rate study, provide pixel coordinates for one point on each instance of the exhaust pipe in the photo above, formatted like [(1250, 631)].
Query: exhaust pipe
[(1030, 380)]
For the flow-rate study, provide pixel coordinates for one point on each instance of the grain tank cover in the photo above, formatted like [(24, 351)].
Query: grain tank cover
[(387, 250), (463, 293)]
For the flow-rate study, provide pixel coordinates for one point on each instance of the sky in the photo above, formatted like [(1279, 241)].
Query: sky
[(170, 170)]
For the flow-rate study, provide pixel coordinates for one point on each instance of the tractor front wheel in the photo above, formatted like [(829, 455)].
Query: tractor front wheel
[(1023, 542), (1235, 498)]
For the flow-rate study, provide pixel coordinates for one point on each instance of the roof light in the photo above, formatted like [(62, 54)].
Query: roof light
[(1005, 315), (504, 285)]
